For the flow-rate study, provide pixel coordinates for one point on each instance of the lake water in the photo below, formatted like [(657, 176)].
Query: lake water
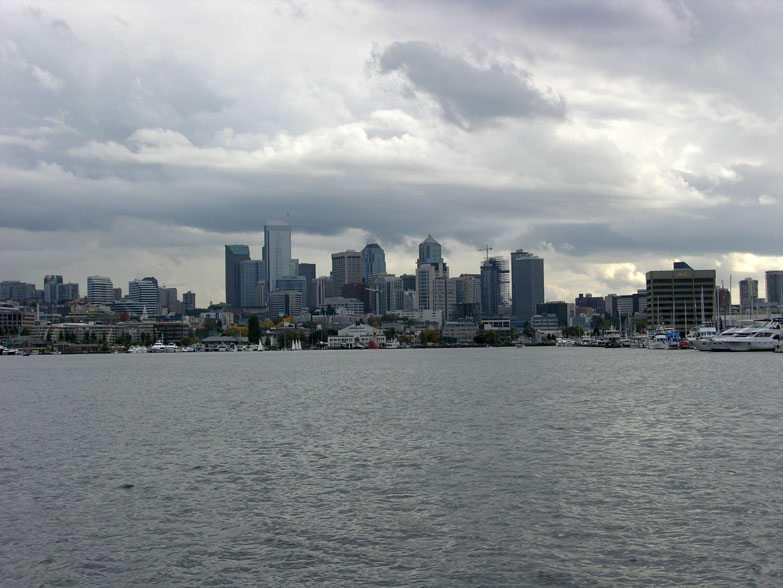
[(474, 467)]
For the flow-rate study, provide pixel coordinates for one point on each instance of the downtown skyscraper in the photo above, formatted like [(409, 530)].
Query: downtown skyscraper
[(527, 284), (235, 254), (276, 252)]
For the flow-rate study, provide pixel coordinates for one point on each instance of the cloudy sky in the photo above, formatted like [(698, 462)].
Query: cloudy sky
[(611, 138)]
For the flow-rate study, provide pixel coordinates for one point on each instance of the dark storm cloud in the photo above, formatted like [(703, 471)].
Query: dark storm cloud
[(468, 95)]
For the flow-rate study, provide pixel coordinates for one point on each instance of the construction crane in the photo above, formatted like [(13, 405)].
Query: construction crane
[(486, 249)]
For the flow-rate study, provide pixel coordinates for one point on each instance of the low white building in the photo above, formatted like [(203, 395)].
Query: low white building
[(354, 336)]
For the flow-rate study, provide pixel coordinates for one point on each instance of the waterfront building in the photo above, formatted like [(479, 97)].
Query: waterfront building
[(146, 292), (356, 336), (307, 271), (346, 268), (749, 293), (373, 261), (674, 298), (235, 254), (527, 284), (276, 252), (461, 331), (100, 289), (774, 284), (252, 287), (559, 308)]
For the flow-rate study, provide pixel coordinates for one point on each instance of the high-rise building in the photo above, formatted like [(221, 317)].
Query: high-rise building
[(252, 288), (384, 293), (285, 302), (346, 268), (189, 300), (494, 285), (357, 291), (749, 293), (277, 252), (373, 261), (235, 254), (50, 288), (322, 289), (596, 303), (464, 298), (100, 289), (297, 283), (774, 287), (680, 297), (307, 271), (432, 275), (527, 284), (146, 292), (168, 301)]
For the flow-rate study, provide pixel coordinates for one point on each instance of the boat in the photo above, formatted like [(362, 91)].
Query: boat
[(170, 348), (663, 338), (7, 351), (612, 338), (158, 347), (260, 346), (702, 337), (758, 335)]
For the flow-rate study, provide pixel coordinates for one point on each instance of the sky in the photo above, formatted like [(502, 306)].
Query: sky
[(610, 138)]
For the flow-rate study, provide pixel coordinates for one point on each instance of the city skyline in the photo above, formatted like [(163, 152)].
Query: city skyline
[(608, 139)]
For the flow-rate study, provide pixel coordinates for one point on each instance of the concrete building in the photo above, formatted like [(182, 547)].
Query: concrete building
[(495, 289), (564, 311), (431, 278), (462, 331), (749, 293), (527, 284), (596, 303), (189, 300), (168, 301), (322, 289), (235, 255), (100, 289), (674, 298), (346, 269), (463, 296), (373, 261), (385, 294), (276, 252)]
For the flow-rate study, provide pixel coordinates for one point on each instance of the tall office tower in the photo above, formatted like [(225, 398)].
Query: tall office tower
[(527, 284), (168, 300), (322, 289), (285, 302), (674, 298), (431, 275), (596, 303), (189, 300), (346, 268), (117, 294), (775, 287), (66, 292), (307, 271), (50, 288), (385, 293), (357, 291), (408, 281), (235, 254), (464, 297), (277, 252), (146, 292), (252, 274), (373, 261), (494, 285), (295, 284), (293, 267), (723, 299), (749, 293), (100, 289)]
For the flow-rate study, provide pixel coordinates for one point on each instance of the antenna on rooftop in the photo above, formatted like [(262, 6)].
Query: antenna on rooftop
[(486, 249)]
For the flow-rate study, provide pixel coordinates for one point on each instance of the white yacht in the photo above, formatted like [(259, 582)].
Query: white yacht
[(663, 339), (759, 335), (702, 338), (158, 347)]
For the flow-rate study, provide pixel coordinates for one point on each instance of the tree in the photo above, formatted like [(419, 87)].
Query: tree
[(253, 330), (428, 336), (491, 338), (528, 331), (573, 332)]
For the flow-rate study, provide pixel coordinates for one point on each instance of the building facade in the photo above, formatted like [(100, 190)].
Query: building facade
[(276, 252), (346, 269), (373, 261), (235, 255), (774, 284), (252, 284), (678, 298), (749, 293), (527, 284), (100, 289)]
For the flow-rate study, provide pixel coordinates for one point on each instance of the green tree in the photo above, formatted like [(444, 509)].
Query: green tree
[(253, 330), (491, 338), (528, 331), (428, 336)]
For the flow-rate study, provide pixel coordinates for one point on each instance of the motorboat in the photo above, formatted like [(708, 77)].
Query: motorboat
[(702, 337), (663, 339), (612, 338), (759, 335), (158, 347)]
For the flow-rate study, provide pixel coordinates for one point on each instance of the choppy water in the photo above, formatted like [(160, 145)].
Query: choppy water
[(482, 467)]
